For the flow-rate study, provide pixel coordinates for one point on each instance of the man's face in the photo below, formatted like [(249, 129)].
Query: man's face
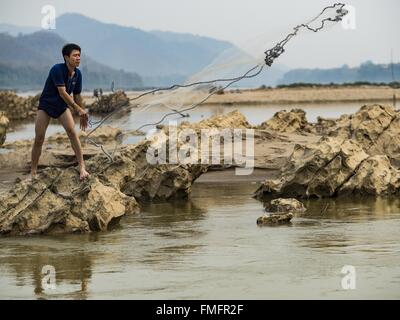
[(74, 58)]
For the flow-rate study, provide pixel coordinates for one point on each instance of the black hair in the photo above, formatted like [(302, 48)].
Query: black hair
[(68, 48)]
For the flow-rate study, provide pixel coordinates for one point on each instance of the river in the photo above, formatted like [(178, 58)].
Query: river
[(209, 247)]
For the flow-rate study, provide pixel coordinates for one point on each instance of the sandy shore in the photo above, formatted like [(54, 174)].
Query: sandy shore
[(280, 96)]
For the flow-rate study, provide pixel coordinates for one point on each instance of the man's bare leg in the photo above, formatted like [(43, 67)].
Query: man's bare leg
[(41, 124), (68, 123)]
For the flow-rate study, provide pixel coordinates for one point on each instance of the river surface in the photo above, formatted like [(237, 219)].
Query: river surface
[(209, 247), (255, 114)]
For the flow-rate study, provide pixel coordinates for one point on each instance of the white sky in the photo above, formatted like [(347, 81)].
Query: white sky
[(376, 33)]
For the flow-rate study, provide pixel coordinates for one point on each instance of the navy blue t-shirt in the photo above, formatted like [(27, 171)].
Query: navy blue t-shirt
[(50, 101)]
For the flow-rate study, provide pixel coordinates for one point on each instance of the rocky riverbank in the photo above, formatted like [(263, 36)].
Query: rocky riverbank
[(355, 154)]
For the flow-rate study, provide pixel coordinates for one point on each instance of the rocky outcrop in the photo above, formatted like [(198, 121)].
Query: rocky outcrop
[(232, 120), (360, 154), (280, 211), (288, 121), (103, 135), (135, 176), (3, 127), (375, 127), (285, 205), (17, 108), (334, 166), (57, 202), (275, 219), (109, 103), (375, 176)]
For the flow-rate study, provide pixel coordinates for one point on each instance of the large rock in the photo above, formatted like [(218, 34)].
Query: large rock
[(3, 127), (17, 108), (375, 176), (317, 169), (109, 103), (57, 202), (375, 127), (285, 205), (275, 219), (288, 121), (333, 166), (231, 120), (135, 176)]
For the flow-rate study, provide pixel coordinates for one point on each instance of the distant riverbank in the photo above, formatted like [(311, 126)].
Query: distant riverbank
[(328, 94)]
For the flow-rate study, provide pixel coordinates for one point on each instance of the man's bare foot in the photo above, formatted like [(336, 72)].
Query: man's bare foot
[(33, 175), (83, 174)]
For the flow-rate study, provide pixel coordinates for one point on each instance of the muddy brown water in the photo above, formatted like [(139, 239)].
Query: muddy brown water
[(209, 247)]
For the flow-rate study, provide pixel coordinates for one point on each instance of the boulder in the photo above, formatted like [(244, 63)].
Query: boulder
[(318, 169), (17, 108), (57, 202), (375, 176), (3, 127), (375, 127), (109, 103), (285, 205), (231, 120), (275, 219), (288, 121), (135, 176)]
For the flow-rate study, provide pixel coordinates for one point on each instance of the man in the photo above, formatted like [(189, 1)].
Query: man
[(55, 101)]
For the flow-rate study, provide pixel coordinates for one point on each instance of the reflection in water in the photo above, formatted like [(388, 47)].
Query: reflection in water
[(26, 261), (210, 247)]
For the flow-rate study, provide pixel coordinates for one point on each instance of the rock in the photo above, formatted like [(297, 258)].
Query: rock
[(232, 120), (324, 126), (375, 176), (285, 205), (366, 124), (102, 135), (17, 108), (135, 176), (275, 218), (57, 202), (3, 127), (283, 121), (334, 166), (318, 169), (375, 127), (109, 103)]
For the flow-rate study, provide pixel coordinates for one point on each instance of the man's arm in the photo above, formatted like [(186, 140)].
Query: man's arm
[(76, 104), (79, 100)]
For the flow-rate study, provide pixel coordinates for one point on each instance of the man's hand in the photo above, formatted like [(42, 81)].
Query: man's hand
[(84, 119)]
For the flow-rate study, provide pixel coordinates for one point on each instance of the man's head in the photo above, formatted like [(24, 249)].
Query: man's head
[(72, 54)]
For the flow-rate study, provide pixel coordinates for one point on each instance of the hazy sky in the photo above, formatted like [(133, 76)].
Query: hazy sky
[(252, 24)]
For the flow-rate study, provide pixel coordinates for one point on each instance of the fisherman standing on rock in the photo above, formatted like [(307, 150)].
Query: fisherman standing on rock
[(63, 80)]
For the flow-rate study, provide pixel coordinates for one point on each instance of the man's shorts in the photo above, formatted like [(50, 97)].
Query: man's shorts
[(53, 112)]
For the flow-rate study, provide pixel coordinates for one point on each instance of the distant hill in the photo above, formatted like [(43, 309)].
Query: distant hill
[(160, 58), (157, 56), (16, 30), (25, 61), (367, 72)]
